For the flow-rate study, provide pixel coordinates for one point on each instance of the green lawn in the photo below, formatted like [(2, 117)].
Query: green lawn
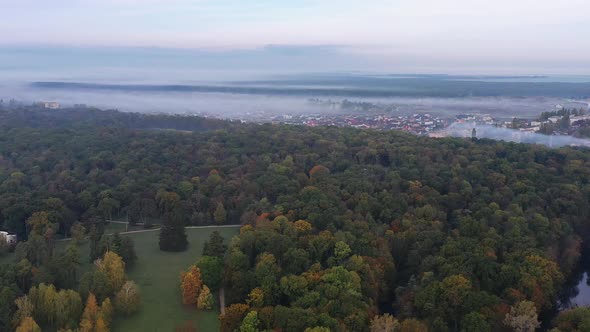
[(158, 275)]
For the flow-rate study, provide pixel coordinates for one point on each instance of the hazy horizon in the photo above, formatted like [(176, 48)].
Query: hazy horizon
[(423, 36)]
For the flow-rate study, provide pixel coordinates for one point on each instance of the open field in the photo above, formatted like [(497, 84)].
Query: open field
[(157, 274)]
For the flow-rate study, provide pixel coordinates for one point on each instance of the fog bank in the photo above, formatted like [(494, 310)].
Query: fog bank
[(511, 135)]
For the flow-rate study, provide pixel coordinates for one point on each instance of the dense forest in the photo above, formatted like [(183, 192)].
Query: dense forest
[(344, 229)]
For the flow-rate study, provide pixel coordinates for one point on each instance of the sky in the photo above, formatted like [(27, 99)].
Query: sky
[(467, 36)]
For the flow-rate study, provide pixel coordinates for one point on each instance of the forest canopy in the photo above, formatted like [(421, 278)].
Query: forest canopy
[(342, 227)]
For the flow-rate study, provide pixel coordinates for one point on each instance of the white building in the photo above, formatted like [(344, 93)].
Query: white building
[(575, 119), (52, 105), (10, 238)]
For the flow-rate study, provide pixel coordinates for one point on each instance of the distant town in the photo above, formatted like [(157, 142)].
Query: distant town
[(565, 119)]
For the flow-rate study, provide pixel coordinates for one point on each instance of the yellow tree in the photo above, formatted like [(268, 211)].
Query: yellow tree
[(85, 326), (113, 267), (256, 297), (190, 285), (384, 323), (302, 226), (28, 325), (25, 309), (106, 311), (205, 299)]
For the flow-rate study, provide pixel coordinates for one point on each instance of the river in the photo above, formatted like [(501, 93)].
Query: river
[(577, 295)]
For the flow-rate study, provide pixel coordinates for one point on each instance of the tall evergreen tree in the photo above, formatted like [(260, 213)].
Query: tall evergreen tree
[(172, 234), (215, 246)]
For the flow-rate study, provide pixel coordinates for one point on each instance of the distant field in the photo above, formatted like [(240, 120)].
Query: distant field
[(157, 274)]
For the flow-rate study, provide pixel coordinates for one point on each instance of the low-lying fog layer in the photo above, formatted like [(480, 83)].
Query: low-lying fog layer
[(263, 106), (258, 95), (511, 135)]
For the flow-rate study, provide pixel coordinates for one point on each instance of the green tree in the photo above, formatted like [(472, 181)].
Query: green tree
[(211, 271), (573, 320), (341, 251), (7, 307), (250, 322), (78, 232), (475, 322), (215, 246)]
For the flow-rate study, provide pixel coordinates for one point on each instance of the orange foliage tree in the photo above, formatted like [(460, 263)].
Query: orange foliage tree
[(191, 285), (232, 318)]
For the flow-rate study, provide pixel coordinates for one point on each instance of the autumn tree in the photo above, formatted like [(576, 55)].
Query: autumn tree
[(28, 325), (232, 318), (106, 311), (101, 325), (540, 280), (52, 308), (384, 323), (302, 227), (24, 309), (205, 299), (455, 290), (522, 317), (191, 285), (256, 296), (113, 267), (90, 314), (127, 299)]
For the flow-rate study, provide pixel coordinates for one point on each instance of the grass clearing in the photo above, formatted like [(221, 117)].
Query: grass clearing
[(158, 275)]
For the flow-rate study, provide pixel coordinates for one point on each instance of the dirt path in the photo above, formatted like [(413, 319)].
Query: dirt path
[(157, 229), (222, 300)]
